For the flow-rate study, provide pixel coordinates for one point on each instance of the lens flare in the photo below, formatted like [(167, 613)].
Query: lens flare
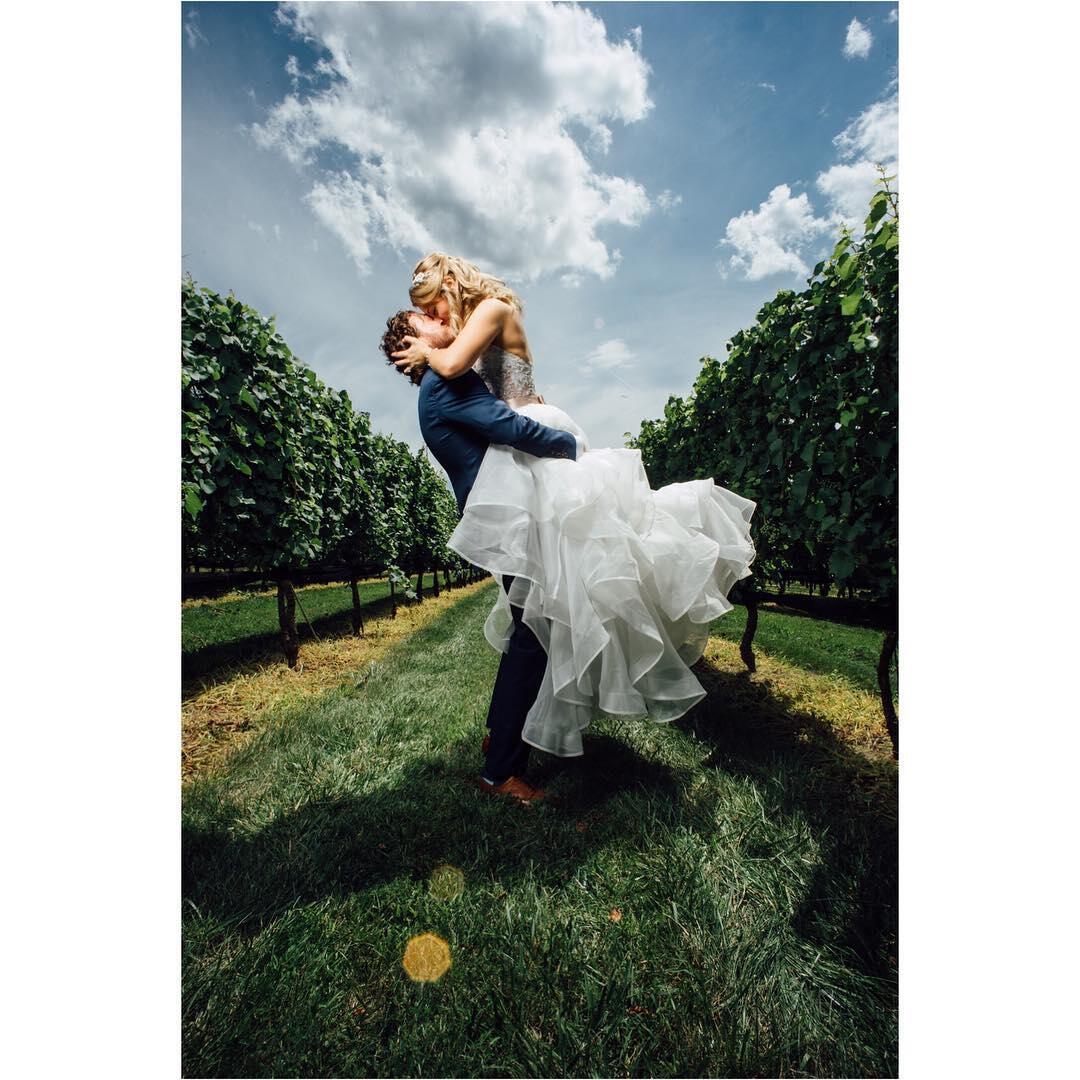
[(446, 882), (427, 958)]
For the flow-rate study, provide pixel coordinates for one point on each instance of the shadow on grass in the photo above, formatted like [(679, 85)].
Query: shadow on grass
[(799, 765), (432, 815), (295, 823)]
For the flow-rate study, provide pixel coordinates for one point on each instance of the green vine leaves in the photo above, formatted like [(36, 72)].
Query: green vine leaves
[(279, 472), (802, 416)]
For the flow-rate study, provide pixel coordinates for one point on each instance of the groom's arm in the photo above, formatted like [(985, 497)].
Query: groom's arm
[(467, 402)]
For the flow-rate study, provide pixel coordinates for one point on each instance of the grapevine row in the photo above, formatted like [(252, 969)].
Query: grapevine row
[(281, 475), (801, 417)]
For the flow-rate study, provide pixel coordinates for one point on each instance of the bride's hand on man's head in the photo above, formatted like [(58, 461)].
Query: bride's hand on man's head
[(413, 356)]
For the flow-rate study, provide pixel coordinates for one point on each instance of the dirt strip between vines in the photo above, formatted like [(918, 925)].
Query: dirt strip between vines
[(229, 712)]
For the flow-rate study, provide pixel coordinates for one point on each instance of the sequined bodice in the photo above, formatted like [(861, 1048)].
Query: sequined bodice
[(508, 377)]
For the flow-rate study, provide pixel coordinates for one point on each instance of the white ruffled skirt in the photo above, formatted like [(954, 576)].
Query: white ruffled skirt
[(618, 582)]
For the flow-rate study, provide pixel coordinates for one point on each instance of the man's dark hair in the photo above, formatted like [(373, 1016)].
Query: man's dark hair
[(397, 326)]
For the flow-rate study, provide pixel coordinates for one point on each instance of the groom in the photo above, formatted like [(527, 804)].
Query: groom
[(459, 418)]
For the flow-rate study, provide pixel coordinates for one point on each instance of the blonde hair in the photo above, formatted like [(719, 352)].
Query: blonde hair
[(469, 287)]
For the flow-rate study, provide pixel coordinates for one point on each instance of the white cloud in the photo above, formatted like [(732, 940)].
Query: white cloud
[(873, 133), (893, 15), (254, 226), (600, 139), (473, 140), (193, 30), (609, 355), (772, 239), (277, 233), (768, 86), (668, 200), (598, 323), (847, 189), (783, 234), (339, 205), (869, 140), (292, 69), (858, 41)]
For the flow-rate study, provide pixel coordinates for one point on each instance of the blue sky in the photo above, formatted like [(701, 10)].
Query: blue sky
[(646, 175)]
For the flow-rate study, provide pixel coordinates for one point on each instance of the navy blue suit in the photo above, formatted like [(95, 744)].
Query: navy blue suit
[(459, 418)]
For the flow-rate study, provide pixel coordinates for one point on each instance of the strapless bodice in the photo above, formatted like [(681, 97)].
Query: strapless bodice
[(507, 376)]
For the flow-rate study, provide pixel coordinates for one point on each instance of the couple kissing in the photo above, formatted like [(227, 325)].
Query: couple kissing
[(607, 587)]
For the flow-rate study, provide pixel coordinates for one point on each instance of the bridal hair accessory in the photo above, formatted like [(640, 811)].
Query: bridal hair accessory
[(420, 278)]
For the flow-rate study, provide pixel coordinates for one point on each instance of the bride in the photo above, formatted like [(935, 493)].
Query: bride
[(618, 582)]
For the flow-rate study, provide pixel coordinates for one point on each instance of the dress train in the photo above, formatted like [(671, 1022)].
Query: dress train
[(618, 582)]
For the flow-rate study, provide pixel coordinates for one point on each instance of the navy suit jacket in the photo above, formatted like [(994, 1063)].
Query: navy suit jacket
[(460, 417)]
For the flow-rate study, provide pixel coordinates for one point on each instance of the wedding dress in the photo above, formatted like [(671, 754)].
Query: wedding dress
[(618, 582)]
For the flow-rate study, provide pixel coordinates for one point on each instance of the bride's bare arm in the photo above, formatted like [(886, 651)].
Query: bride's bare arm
[(476, 335)]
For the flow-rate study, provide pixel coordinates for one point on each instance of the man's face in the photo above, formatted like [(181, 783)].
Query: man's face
[(433, 332)]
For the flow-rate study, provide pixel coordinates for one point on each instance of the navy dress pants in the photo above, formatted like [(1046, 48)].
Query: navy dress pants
[(521, 671)]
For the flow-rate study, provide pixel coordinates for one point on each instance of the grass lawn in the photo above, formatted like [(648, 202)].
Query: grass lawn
[(713, 897), (813, 644), (231, 700), (219, 633)]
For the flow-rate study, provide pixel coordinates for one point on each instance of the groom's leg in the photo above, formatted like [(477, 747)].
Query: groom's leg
[(521, 671)]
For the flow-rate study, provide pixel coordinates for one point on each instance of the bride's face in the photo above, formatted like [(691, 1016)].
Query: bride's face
[(439, 308)]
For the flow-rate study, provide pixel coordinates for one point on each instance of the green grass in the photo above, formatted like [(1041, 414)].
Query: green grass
[(827, 648), (756, 882), (221, 633)]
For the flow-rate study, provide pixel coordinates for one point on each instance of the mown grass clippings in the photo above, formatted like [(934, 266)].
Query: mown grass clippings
[(229, 709), (813, 645), (836, 721), (219, 638)]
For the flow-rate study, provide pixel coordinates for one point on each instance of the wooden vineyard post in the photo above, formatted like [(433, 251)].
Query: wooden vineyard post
[(746, 650), (420, 586), (435, 580), (888, 647), (357, 611), (286, 604), (393, 600)]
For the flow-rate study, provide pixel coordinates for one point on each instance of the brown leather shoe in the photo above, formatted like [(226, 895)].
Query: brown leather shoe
[(513, 787), (485, 744)]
